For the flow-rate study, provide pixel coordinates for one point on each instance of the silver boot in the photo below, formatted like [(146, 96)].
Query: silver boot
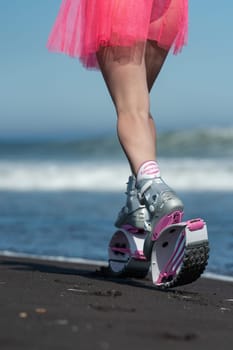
[(133, 215), (164, 208)]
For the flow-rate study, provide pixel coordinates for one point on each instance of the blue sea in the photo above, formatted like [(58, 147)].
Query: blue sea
[(59, 197)]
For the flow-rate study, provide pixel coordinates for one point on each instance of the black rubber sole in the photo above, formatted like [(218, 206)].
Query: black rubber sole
[(194, 263)]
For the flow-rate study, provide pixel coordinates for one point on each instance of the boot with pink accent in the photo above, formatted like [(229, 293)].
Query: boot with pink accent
[(175, 252), (163, 204)]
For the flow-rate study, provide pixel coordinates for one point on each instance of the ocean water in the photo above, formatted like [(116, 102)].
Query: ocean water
[(60, 197)]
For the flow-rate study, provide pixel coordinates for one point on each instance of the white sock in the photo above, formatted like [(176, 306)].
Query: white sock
[(148, 170)]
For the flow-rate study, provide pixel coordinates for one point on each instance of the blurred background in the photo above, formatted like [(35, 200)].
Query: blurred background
[(62, 172)]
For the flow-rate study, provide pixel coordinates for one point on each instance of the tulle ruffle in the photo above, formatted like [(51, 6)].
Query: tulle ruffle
[(82, 26)]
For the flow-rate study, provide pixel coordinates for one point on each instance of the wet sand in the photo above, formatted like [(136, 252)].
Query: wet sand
[(52, 305)]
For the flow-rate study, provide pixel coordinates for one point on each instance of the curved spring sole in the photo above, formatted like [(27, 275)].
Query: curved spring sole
[(194, 262), (126, 257), (180, 254)]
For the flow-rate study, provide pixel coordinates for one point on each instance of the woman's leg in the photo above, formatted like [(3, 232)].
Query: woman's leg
[(129, 86)]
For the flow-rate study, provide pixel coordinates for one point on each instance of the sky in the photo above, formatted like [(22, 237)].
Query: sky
[(43, 93)]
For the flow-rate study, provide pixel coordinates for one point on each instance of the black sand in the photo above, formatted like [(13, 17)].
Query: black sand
[(50, 305)]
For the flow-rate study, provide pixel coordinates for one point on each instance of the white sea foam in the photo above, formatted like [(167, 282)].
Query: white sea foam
[(182, 174), (74, 260)]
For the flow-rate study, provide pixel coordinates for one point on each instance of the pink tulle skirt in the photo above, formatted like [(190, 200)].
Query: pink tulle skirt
[(83, 26)]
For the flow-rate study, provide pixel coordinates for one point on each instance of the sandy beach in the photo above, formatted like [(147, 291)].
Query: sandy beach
[(52, 305)]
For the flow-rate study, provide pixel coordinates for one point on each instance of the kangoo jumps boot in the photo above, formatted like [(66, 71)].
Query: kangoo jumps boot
[(133, 215)]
